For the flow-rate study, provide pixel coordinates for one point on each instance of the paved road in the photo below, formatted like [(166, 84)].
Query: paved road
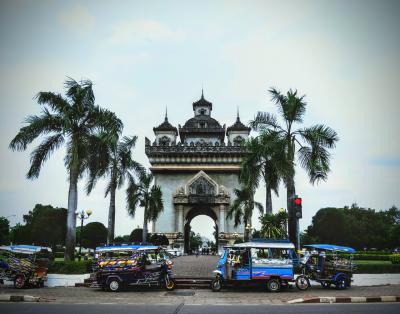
[(192, 296), (180, 308)]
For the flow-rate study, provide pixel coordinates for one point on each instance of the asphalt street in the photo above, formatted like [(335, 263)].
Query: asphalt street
[(31, 308)]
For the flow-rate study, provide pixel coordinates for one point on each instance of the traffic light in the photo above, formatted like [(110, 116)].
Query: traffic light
[(297, 207)]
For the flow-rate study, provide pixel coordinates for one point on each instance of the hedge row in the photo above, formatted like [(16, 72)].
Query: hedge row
[(377, 268), (369, 257), (395, 258), (75, 267)]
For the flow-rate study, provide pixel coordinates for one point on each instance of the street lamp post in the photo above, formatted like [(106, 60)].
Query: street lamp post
[(82, 216)]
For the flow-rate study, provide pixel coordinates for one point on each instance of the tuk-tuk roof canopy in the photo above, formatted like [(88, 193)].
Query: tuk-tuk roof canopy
[(272, 245), (331, 247), (112, 248), (24, 249)]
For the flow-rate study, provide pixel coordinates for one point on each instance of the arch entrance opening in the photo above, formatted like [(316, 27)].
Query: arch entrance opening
[(190, 246)]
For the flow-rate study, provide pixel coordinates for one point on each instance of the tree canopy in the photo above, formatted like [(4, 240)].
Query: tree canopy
[(45, 225), (355, 227), (4, 230)]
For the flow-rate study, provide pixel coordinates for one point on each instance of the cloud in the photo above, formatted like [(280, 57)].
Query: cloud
[(144, 31), (78, 20)]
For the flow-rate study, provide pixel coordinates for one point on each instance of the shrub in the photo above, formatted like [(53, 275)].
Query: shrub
[(395, 258), (75, 267)]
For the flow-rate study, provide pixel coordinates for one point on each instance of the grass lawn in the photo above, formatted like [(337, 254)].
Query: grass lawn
[(372, 262)]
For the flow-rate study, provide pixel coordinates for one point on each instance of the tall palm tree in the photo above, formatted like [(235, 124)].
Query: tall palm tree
[(146, 195), (73, 120), (242, 208), (112, 158), (309, 144), (265, 161)]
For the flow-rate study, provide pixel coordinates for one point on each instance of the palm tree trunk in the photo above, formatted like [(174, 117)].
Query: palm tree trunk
[(111, 216), (268, 199), (246, 231), (145, 226), (70, 239), (292, 223)]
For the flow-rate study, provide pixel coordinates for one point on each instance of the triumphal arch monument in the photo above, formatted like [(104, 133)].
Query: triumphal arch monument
[(197, 167)]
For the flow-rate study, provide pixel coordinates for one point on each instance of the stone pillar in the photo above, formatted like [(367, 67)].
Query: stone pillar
[(222, 218), (180, 219)]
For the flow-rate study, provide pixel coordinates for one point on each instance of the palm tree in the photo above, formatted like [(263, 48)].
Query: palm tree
[(242, 208), (73, 120), (312, 144), (114, 160), (274, 226), (146, 195), (265, 160)]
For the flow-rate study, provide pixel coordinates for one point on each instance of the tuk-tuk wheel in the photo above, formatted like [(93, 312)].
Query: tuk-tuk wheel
[(170, 285), (325, 284), (216, 284), (114, 285), (302, 282), (273, 285), (19, 282), (341, 283)]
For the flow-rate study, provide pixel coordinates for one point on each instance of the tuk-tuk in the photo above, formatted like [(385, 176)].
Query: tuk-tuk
[(125, 266), (25, 265), (267, 262), (326, 264)]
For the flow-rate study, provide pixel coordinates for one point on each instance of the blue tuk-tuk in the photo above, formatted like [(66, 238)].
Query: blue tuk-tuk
[(325, 263), (264, 261)]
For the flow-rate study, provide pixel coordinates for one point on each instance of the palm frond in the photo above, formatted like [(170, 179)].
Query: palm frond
[(263, 121), (37, 125), (319, 135), (54, 101), (42, 153)]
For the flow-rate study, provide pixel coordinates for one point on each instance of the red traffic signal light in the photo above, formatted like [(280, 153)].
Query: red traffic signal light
[(297, 201)]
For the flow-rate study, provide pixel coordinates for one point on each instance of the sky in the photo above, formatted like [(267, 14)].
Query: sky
[(144, 56)]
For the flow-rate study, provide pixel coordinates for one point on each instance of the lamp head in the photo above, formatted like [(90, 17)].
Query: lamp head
[(89, 212)]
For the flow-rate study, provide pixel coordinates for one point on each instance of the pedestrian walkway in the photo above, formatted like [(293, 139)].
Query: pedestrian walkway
[(201, 266)]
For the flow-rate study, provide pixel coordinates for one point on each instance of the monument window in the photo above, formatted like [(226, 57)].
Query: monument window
[(203, 111), (238, 140), (164, 141)]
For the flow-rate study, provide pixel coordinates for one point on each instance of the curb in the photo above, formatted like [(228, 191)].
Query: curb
[(18, 298), (346, 299)]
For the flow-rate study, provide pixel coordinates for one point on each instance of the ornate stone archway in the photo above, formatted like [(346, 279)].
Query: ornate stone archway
[(201, 195)]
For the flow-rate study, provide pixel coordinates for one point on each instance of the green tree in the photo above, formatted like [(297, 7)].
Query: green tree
[(136, 235), (265, 161), (273, 226), (309, 144), (93, 235), (72, 120), (194, 241), (20, 234), (44, 226), (4, 230), (242, 208), (116, 163), (159, 239), (356, 227), (149, 197), (122, 239)]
